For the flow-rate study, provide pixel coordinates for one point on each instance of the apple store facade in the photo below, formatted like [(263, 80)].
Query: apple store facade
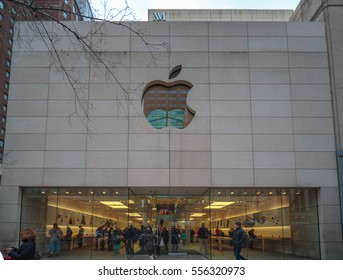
[(180, 124)]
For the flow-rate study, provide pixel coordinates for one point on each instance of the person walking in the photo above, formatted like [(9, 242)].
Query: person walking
[(141, 238), (150, 242), (174, 234), (165, 237), (130, 237), (238, 239), (203, 235)]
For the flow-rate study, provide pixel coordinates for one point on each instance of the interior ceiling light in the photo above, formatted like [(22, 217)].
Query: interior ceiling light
[(114, 204), (214, 207), (219, 204), (131, 201), (194, 215), (133, 214)]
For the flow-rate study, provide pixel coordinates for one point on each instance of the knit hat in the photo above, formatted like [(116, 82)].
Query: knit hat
[(238, 223)]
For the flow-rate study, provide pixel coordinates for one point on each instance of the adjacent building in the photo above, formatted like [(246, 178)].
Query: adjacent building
[(61, 10)]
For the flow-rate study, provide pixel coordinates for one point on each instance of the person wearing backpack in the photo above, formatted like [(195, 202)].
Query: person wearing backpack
[(238, 240)]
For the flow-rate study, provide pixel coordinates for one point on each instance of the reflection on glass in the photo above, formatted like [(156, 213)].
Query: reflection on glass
[(166, 105), (284, 221)]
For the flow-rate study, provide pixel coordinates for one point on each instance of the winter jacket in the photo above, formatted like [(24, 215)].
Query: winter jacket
[(150, 240), (203, 233), (238, 237), (25, 252), (175, 236)]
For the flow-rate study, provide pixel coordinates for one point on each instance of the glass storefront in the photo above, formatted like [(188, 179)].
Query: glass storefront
[(280, 223)]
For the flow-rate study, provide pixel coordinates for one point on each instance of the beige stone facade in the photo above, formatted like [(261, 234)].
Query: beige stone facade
[(262, 102)]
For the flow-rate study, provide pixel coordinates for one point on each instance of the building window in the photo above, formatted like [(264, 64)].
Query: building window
[(10, 41), (11, 30), (65, 15), (3, 119), (5, 96), (13, 10), (7, 85), (1, 143), (4, 108), (2, 131), (12, 20), (9, 52), (0, 16), (66, 2), (8, 63), (7, 74), (1, 5)]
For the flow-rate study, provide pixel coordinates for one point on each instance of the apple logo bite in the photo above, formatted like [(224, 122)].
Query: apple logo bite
[(165, 104)]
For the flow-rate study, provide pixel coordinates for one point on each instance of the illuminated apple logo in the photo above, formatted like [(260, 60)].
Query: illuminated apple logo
[(165, 104)]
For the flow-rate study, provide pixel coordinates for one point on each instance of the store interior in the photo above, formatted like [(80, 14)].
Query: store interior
[(284, 221)]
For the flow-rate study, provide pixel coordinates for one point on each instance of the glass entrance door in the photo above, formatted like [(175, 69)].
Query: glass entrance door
[(175, 220)]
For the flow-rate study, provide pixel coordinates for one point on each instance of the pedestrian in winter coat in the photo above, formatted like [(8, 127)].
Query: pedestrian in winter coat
[(150, 241), (27, 249), (238, 239)]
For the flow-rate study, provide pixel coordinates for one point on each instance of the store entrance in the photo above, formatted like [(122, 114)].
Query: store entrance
[(175, 218)]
